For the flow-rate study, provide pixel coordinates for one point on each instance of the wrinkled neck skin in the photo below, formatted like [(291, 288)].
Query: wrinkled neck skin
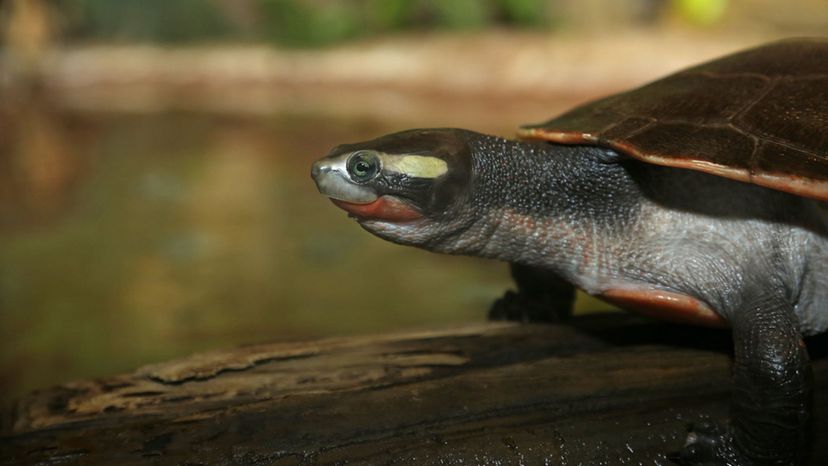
[(564, 208), (559, 207), (553, 206)]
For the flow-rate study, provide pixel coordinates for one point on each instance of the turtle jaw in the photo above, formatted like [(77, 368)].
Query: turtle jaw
[(360, 201), (385, 208), (389, 218)]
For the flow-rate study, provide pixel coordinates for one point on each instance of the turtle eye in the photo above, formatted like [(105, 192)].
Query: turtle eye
[(363, 166)]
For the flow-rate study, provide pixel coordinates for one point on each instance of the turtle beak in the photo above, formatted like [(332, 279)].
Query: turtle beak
[(316, 169), (332, 180)]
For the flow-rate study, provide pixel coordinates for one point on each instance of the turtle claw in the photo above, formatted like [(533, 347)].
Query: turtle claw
[(707, 444)]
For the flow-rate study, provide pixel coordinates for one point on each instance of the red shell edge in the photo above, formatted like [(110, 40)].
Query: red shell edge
[(799, 186)]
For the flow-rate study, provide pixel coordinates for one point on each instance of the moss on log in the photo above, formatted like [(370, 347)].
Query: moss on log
[(609, 389)]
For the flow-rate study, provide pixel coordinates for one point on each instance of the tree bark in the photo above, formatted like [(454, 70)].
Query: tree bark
[(606, 389)]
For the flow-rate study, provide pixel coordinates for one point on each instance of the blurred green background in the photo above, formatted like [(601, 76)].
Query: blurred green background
[(155, 197)]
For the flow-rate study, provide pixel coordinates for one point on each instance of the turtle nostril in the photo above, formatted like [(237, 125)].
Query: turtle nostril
[(315, 170)]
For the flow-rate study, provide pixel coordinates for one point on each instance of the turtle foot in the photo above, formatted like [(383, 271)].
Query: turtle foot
[(518, 307), (541, 296), (708, 444)]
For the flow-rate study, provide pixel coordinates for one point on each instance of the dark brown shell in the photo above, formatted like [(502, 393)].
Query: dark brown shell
[(759, 116)]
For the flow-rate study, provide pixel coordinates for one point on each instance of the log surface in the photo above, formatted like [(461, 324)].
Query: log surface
[(609, 389)]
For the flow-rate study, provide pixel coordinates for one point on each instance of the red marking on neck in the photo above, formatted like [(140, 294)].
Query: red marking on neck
[(384, 208)]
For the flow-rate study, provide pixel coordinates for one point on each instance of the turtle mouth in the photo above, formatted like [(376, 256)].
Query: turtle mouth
[(386, 208)]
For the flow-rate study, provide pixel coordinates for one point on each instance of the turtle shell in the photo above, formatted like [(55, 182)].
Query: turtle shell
[(759, 116)]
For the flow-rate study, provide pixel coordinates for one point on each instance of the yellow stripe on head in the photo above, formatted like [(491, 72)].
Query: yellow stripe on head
[(418, 166)]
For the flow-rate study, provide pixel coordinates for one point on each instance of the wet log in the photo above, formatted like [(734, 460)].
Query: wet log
[(608, 389)]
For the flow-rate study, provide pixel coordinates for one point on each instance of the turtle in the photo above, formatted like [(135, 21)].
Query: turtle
[(698, 198)]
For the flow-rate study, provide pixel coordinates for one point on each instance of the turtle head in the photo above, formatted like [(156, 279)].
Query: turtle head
[(408, 187)]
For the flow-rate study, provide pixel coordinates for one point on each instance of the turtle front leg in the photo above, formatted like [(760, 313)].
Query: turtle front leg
[(541, 296), (771, 394)]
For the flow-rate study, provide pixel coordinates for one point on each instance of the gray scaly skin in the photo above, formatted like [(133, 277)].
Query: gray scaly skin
[(601, 221)]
